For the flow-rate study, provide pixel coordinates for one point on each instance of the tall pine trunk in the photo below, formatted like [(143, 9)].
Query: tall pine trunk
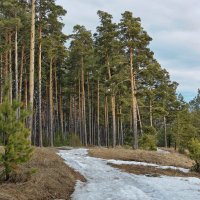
[(40, 88), (16, 66), (113, 119), (10, 69), (89, 111), (112, 107), (32, 63), (150, 113), (61, 110), (134, 103), (140, 120), (83, 103), (106, 123), (25, 89), (56, 98), (21, 71), (51, 104), (165, 131), (98, 109), (121, 127), (80, 110)]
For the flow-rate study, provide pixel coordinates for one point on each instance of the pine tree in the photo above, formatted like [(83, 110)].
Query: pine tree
[(135, 41), (107, 50), (32, 63), (81, 47), (17, 147)]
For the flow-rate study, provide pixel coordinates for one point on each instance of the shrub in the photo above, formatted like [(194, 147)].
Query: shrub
[(73, 140), (150, 130), (148, 142), (60, 140), (194, 149), (128, 140)]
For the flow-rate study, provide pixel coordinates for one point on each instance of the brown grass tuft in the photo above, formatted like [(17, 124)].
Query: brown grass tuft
[(171, 159), (53, 179)]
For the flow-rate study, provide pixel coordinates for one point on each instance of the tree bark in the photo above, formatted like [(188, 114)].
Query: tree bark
[(10, 70), (16, 66), (114, 120), (80, 110), (112, 107), (40, 88), (121, 127), (51, 104), (70, 115), (107, 121), (56, 97), (6, 57), (32, 63), (83, 102), (139, 119), (150, 113), (61, 110), (98, 104), (165, 131), (134, 103), (25, 89), (89, 111), (21, 72)]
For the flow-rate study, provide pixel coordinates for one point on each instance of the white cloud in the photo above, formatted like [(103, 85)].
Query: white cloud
[(187, 77), (173, 25)]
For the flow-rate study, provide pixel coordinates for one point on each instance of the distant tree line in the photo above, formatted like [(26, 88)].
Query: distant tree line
[(106, 88)]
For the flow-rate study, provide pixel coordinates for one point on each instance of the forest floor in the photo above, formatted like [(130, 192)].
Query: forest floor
[(51, 178), (166, 157), (103, 173)]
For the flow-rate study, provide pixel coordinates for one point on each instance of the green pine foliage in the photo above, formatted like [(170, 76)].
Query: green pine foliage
[(148, 140), (194, 149), (17, 148), (73, 140)]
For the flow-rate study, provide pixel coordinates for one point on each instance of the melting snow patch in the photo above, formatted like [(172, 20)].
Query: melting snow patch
[(121, 162), (107, 183)]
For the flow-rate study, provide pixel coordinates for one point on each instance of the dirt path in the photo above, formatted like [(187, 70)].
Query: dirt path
[(107, 183)]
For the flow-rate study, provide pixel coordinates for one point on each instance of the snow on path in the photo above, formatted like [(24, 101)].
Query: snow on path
[(107, 183), (122, 162)]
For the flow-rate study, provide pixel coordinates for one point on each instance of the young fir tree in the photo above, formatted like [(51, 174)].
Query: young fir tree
[(17, 147)]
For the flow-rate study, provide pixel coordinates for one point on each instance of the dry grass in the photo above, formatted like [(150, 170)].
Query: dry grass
[(172, 159), (53, 179), (154, 172)]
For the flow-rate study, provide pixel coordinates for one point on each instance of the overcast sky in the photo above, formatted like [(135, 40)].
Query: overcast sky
[(174, 26)]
